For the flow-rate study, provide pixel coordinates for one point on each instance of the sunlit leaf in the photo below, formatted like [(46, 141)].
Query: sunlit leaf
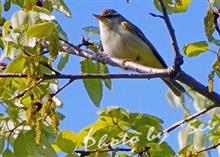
[(23, 144), (71, 155), (185, 137), (182, 6), (2, 144), (61, 6), (54, 44), (16, 66), (215, 3), (194, 49), (8, 153), (93, 86), (161, 150), (66, 141), (185, 149), (18, 19), (103, 69), (177, 7), (169, 5), (7, 5), (63, 61), (44, 14), (209, 24), (61, 32), (41, 30), (199, 140), (216, 67), (12, 37), (91, 29)]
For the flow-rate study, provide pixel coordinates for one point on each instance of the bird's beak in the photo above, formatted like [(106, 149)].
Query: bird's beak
[(99, 17)]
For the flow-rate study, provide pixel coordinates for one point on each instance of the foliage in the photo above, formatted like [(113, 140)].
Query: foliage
[(30, 43)]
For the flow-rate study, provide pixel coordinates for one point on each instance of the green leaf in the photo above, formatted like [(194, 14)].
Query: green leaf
[(0, 9), (215, 41), (45, 149), (41, 30), (209, 24), (215, 3), (2, 143), (177, 7), (64, 59), (7, 5), (44, 14), (216, 67), (168, 3), (54, 44), (91, 30), (199, 139), (16, 66), (161, 150), (182, 6), (93, 86), (122, 155), (18, 19), (71, 155), (200, 102), (194, 49), (173, 100), (23, 144), (61, 32), (28, 4), (18, 2), (8, 153), (185, 137), (32, 18), (103, 69), (185, 149), (114, 111), (66, 141), (12, 37), (61, 6), (6, 28)]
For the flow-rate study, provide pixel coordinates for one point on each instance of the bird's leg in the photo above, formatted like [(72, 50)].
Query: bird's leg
[(127, 60), (137, 59)]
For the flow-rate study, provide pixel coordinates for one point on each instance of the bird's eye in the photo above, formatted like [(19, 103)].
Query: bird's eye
[(109, 16)]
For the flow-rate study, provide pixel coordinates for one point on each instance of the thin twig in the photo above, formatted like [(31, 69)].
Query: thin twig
[(178, 57), (19, 95), (12, 131), (84, 153), (174, 126), (182, 77), (209, 148), (58, 91), (155, 15), (160, 74)]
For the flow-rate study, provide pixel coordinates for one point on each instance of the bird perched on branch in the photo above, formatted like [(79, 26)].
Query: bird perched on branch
[(123, 40)]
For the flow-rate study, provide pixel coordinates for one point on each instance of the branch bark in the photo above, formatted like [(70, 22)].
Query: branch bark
[(174, 126), (178, 57)]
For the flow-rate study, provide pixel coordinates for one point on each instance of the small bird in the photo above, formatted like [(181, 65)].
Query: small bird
[(123, 40)]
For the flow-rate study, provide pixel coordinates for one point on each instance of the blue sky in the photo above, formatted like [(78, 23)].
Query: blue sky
[(145, 96)]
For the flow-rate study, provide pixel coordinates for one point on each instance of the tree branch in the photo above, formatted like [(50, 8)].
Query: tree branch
[(174, 126), (178, 57), (209, 148), (93, 76), (86, 153)]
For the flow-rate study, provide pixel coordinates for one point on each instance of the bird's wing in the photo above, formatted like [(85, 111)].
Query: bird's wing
[(137, 32)]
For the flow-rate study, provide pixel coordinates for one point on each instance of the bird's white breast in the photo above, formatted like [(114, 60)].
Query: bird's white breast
[(120, 43)]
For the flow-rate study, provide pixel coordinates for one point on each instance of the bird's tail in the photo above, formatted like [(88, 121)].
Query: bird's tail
[(176, 88)]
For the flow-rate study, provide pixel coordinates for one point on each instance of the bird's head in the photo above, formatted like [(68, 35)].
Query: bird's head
[(109, 17)]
